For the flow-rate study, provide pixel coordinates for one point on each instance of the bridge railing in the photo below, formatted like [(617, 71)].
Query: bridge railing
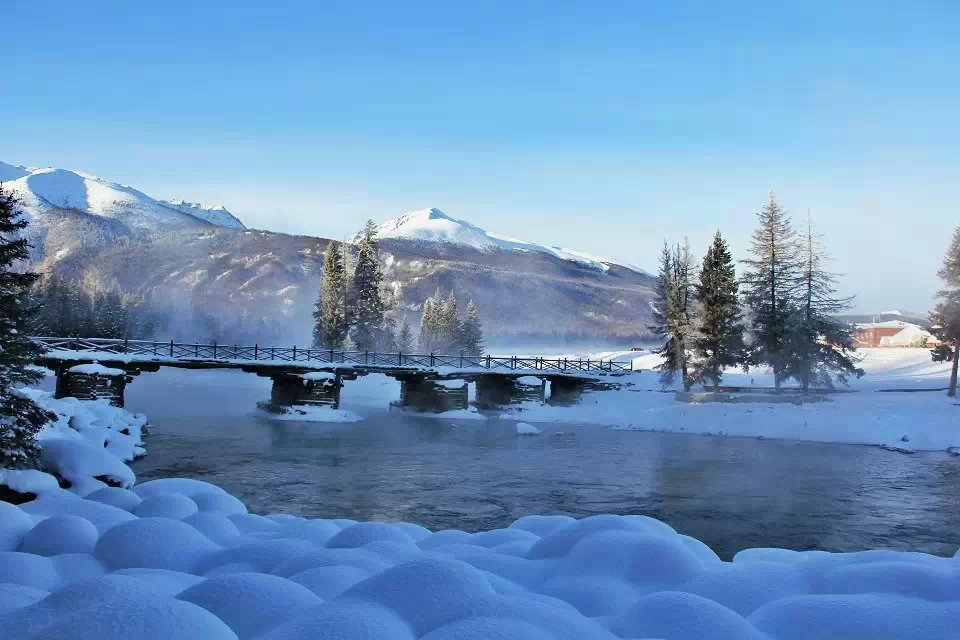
[(218, 352)]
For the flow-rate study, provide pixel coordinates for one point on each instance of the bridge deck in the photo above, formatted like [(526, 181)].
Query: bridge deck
[(197, 356)]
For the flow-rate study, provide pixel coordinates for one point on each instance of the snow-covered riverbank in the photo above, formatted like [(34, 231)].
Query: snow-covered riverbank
[(905, 418)]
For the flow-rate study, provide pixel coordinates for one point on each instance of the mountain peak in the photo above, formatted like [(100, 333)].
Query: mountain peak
[(50, 188), (433, 225)]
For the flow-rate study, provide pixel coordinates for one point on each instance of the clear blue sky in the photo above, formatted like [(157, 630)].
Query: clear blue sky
[(600, 126)]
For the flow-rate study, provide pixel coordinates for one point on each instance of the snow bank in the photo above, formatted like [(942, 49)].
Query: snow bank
[(189, 562), (312, 413), (84, 448), (450, 384), (318, 375), (96, 368), (529, 381)]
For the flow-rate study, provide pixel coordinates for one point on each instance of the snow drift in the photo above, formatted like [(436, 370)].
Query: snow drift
[(180, 558)]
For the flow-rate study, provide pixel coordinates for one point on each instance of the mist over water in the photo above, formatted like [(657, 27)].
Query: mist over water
[(732, 493)]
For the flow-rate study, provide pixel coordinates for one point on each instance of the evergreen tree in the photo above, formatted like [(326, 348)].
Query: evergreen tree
[(367, 314), (820, 345), (718, 343), (770, 285), (110, 316), (945, 317), (404, 337), (449, 329), (20, 417), (330, 313), (471, 332), (431, 322), (673, 313)]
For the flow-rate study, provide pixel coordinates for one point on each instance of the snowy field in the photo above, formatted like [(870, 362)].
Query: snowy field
[(906, 418)]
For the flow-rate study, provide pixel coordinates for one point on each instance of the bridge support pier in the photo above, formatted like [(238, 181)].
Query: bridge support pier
[(422, 394), (91, 386), (315, 389), (565, 392), (495, 392)]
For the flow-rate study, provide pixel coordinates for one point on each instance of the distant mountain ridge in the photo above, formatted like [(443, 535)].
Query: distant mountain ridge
[(43, 189), (215, 279), (434, 226)]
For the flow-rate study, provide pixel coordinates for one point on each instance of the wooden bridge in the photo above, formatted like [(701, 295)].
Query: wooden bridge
[(300, 374)]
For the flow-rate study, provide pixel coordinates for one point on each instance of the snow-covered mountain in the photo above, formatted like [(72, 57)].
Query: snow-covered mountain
[(41, 190), (435, 226)]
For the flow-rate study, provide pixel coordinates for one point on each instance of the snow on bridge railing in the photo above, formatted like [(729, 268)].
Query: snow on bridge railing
[(256, 353)]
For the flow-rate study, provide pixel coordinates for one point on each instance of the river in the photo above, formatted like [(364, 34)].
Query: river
[(732, 493)]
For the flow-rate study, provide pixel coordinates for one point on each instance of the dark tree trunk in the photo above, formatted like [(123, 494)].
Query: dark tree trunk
[(952, 392)]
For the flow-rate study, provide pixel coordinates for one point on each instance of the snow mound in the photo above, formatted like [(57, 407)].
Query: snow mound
[(77, 567), (95, 368), (525, 429)]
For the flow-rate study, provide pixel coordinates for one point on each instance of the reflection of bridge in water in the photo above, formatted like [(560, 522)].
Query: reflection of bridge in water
[(90, 368)]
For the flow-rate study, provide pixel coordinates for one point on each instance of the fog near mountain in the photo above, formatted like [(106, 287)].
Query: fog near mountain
[(214, 279)]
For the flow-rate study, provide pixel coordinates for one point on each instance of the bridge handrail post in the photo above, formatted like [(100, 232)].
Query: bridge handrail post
[(125, 342), (564, 364), (431, 358), (171, 347), (154, 347), (196, 349), (488, 360), (256, 349), (461, 359), (399, 358), (214, 349), (294, 353), (273, 353), (366, 356)]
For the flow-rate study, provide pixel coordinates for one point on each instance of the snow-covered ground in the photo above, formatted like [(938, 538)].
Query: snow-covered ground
[(179, 558), (906, 418)]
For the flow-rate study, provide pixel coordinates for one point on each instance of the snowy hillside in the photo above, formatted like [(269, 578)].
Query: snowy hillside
[(43, 189), (435, 226)]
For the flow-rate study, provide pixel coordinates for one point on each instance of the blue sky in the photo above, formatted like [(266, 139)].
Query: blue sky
[(600, 126)]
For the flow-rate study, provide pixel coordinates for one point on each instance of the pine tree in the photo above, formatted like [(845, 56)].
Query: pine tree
[(718, 342), (431, 323), (770, 284), (20, 418), (471, 332), (330, 312), (449, 329), (404, 337), (820, 346), (945, 317), (673, 313), (367, 313)]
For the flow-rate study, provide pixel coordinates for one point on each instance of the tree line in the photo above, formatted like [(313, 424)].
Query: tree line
[(781, 312), (74, 308), (355, 311), (442, 330)]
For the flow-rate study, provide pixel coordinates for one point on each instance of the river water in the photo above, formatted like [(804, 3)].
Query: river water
[(732, 493)]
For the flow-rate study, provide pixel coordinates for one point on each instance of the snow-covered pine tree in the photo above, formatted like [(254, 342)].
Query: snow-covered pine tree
[(770, 285), (471, 332), (718, 342), (673, 313), (330, 313), (820, 346), (427, 322), (367, 312), (404, 337), (450, 325), (20, 418), (945, 317), (109, 315), (430, 325)]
